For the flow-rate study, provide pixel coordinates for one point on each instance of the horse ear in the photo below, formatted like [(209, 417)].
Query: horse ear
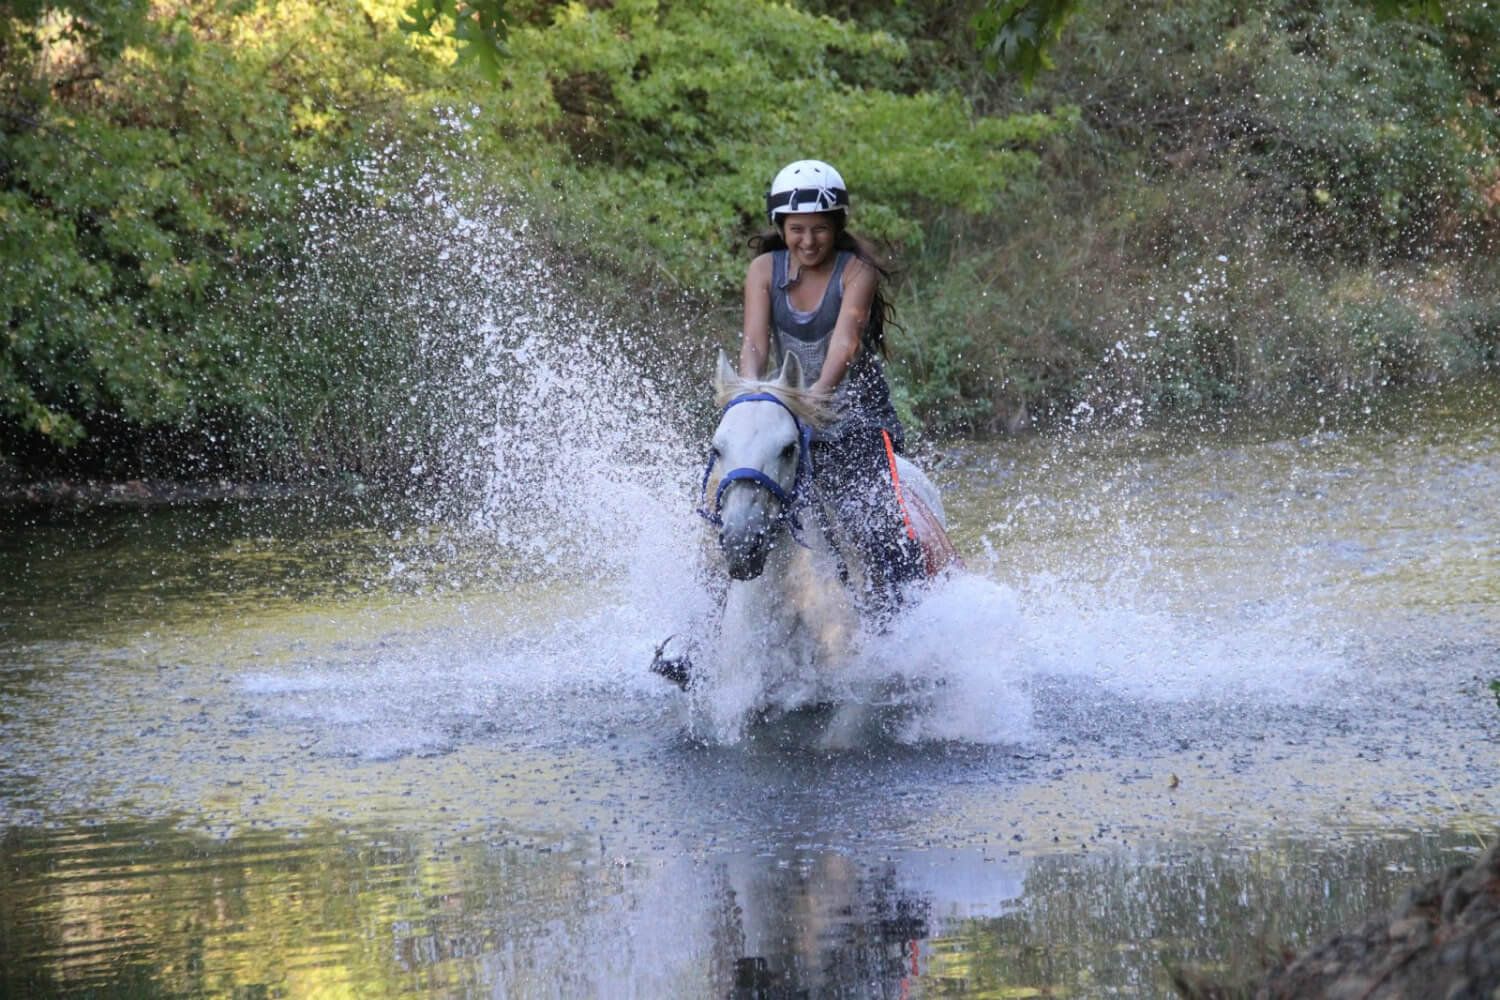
[(791, 371), (724, 374)]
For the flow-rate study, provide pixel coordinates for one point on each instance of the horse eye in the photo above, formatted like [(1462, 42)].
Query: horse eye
[(789, 451)]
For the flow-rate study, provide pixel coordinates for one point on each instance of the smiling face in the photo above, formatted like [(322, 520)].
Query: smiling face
[(809, 236)]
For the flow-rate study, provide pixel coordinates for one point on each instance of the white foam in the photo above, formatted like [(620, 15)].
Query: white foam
[(957, 652)]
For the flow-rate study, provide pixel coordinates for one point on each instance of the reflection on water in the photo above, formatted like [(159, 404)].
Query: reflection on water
[(147, 910)]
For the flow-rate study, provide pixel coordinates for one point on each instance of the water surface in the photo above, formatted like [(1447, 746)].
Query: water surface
[(1194, 697)]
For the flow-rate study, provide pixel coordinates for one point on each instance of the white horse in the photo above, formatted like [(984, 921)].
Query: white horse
[(790, 619)]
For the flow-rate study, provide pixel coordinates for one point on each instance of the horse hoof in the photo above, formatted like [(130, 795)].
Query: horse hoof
[(677, 669)]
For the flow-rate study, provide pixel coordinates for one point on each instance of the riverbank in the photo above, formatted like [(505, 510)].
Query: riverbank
[(144, 492)]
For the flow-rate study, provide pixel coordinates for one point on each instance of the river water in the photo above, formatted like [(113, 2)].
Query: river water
[(1194, 697)]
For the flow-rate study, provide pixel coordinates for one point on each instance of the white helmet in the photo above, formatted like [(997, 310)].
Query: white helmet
[(806, 186)]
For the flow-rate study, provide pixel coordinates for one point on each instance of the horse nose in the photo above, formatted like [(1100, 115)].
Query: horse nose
[(745, 554)]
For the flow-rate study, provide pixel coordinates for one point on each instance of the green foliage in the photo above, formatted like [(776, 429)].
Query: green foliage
[(674, 118), (1357, 133), (479, 28), (1319, 180), (96, 29), (1014, 35), (151, 178), (1343, 166), (143, 184), (1426, 10), (1017, 34)]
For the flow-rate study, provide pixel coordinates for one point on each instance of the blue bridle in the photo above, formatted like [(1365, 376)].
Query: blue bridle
[(791, 500)]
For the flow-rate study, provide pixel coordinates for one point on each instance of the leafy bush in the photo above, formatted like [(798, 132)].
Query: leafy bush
[(674, 119), (150, 189), (1331, 176), (1356, 133), (146, 180), (1342, 165)]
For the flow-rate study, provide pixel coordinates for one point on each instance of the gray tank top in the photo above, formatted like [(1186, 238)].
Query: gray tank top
[(863, 399)]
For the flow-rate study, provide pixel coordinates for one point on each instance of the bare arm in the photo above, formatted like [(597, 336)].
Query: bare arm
[(844, 345), (755, 343)]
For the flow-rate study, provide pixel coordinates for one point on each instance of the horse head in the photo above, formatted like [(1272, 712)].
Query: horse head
[(759, 471)]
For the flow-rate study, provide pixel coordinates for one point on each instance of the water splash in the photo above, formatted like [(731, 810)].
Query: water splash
[(566, 446), (561, 438), (573, 463), (975, 690)]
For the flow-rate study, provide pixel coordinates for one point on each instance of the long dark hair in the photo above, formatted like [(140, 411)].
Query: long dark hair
[(881, 310)]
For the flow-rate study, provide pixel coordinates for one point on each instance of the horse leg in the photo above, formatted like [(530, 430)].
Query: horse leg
[(677, 668), (677, 665)]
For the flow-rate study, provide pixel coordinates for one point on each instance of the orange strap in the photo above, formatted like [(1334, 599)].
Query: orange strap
[(890, 457)]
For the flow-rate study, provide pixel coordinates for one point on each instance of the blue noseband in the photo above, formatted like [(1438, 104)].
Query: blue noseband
[(791, 500)]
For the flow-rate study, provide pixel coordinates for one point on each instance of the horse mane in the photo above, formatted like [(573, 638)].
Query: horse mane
[(807, 406)]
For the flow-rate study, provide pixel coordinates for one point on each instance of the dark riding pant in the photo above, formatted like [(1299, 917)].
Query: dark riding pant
[(854, 476)]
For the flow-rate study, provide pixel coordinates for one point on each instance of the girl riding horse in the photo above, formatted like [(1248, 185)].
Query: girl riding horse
[(813, 290)]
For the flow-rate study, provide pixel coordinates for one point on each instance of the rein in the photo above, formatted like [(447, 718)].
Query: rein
[(791, 500)]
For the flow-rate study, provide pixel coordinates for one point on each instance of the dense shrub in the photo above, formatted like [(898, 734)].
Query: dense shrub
[(149, 186), (1336, 169), (666, 123), (1202, 207)]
